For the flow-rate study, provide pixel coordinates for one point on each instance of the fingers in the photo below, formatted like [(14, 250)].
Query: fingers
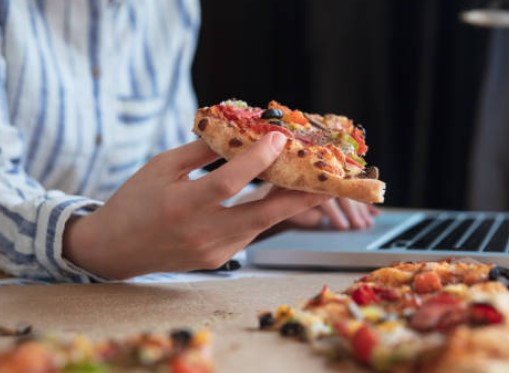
[(373, 210), (189, 157), (357, 213), (308, 219), (276, 207), (229, 179), (336, 215)]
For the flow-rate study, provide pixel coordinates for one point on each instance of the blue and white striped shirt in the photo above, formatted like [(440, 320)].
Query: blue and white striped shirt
[(91, 89)]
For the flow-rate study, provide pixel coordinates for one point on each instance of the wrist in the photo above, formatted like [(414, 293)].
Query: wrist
[(83, 245)]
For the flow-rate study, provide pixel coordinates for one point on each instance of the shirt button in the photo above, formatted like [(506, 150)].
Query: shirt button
[(96, 72), (98, 140)]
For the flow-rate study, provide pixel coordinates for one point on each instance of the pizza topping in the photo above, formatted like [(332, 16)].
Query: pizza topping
[(266, 320), (427, 282), (284, 312), (364, 342), (263, 129), (290, 116), (365, 295), (181, 337), (316, 121), (485, 314), (499, 274), (440, 313), (292, 329), (272, 114), (370, 173)]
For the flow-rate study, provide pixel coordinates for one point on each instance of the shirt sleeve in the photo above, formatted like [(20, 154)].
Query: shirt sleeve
[(32, 219)]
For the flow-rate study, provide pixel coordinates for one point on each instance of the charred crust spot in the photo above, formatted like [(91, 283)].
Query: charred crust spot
[(302, 153), (202, 124), (324, 166), (235, 143), (321, 165), (322, 177)]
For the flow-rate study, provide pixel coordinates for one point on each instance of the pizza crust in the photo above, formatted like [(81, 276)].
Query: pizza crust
[(474, 350), (296, 170)]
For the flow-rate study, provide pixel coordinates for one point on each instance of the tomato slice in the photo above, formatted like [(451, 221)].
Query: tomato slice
[(364, 342)]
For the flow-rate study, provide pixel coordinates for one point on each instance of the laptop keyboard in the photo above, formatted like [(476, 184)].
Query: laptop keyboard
[(460, 232)]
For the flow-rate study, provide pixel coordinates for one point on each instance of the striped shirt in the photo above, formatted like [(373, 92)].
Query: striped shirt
[(91, 89)]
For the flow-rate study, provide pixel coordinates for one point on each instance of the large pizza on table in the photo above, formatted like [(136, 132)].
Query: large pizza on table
[(439, 317)]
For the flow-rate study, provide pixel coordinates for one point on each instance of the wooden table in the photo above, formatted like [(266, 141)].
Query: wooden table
[(228, 308)]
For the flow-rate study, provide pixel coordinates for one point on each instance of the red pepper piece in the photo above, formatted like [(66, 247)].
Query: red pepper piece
[(485, 314), (365, 295), (351, 161), (364, 342), (358, 136)]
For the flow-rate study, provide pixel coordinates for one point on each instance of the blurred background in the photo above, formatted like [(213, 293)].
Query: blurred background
[(432, 91)]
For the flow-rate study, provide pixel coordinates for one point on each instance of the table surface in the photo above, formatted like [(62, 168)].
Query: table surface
[(228, 308)]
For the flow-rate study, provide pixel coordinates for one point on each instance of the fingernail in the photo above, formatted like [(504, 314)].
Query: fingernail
[(278, 141)]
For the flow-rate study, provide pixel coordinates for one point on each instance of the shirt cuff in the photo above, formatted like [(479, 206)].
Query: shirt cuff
[(52, 216)]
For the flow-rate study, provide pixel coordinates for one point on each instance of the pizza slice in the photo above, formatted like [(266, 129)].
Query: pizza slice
[(323, 154), (410, 317), (180, 351)]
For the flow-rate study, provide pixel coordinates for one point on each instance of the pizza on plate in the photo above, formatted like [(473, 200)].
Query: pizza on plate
[(323, 153), (180, 351), (438, 317)]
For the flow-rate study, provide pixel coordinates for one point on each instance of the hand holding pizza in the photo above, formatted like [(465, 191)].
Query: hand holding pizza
[(159, 220)]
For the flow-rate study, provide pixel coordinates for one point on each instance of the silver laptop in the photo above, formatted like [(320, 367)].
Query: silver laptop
[(396, 236)]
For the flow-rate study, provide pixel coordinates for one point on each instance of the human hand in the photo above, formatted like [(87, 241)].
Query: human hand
[(159, 220), (339, 213)]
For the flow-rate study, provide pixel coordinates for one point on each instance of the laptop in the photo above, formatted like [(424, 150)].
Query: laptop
[(395, 236)]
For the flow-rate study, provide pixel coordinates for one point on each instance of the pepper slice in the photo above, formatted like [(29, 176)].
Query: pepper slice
[(365, 295), (485, 314)]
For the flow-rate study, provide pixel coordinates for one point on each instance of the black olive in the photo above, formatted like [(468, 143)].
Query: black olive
[(499, 274), (276, 122), (292, 329), (266, 320), (181, 337), (359, 126), (272, 114)]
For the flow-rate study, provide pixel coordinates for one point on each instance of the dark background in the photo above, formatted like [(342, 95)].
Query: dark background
[(409, 71)]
